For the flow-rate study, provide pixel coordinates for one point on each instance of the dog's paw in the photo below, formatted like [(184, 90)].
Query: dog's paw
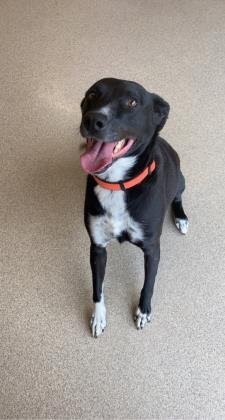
[(98, 320), (182, 225), (141, 319), (97, 325)]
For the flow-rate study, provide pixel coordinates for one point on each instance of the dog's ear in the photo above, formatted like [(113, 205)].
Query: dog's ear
[(160, 111)]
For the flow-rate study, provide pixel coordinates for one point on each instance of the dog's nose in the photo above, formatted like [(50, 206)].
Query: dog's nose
[(94, 121)]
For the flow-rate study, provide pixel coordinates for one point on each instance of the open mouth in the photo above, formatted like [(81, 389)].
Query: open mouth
[(99, 154)]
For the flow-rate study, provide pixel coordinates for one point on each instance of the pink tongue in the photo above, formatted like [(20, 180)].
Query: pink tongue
[(97, 156)]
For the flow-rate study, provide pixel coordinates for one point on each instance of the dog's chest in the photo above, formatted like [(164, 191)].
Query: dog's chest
[(116, 219)]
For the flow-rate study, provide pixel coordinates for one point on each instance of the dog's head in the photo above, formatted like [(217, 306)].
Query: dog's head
[(119, 118)]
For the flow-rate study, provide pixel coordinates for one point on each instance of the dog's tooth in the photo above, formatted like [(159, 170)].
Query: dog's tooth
[(116, 148), (119, 146)]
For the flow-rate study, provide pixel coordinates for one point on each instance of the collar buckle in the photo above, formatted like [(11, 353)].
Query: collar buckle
[(123, 186)]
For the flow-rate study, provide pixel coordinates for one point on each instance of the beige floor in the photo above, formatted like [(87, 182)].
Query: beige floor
[(51, 51)]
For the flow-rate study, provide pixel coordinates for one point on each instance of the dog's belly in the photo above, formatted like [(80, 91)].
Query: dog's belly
[(116, 221)]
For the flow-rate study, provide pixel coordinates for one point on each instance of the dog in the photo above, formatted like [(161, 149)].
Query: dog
[(133, 177)]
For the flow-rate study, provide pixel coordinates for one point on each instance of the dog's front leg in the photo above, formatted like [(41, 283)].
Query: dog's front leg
[(98, 258), (151, 257)]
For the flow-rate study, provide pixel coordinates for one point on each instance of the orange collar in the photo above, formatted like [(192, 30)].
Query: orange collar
[(127, 184)]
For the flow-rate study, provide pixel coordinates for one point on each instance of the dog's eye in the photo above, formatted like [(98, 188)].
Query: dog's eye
[(91, 95), (132, 103)]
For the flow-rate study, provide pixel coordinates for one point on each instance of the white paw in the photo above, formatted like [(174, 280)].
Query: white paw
[(141, 319), (98, 319), (182, 225)]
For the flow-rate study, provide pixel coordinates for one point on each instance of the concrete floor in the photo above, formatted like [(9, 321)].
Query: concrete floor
[(51, 51)]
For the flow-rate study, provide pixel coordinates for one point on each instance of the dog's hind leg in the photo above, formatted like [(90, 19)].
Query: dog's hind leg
[(98, 257), (180, 218)]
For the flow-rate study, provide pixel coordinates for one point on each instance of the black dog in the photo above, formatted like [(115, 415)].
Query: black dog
[(134, 175)]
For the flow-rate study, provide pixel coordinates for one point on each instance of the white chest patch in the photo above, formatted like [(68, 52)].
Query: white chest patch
[(116, 218)]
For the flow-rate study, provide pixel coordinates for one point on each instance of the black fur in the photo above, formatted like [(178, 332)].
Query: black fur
[(147, 202)]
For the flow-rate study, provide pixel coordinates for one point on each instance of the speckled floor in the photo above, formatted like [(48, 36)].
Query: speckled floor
[(50, 367)]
